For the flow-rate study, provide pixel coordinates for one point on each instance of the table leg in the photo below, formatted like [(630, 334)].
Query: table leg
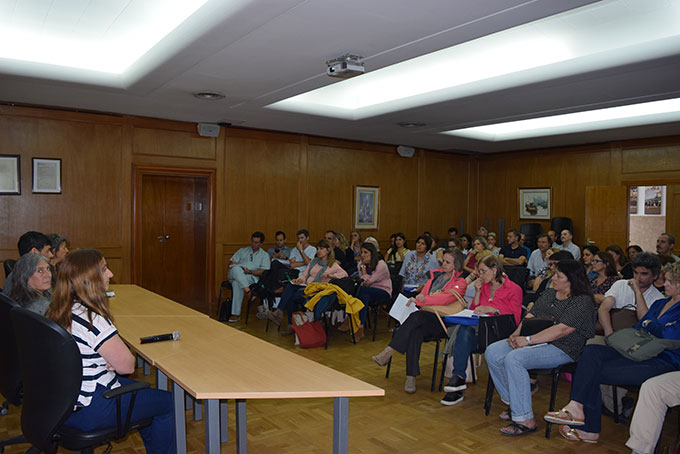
[(140, 361), (188, 401), (161, 380), (212, 423), (197, 410), (340, 425), (224, 420), (180, 423), (241, 433), (147, 368)]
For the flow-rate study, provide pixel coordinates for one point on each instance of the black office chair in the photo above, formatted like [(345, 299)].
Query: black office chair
[(519, 275), (8, 265), (10, 375), (51, 371)]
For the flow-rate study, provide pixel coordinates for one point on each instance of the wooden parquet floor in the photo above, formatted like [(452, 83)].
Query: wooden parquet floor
[(396, 423)]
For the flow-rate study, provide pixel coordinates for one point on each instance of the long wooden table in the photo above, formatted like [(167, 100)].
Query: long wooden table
[(214, 362)]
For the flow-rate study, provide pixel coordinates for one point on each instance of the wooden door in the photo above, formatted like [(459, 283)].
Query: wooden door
[(607, 215), (174, 238)]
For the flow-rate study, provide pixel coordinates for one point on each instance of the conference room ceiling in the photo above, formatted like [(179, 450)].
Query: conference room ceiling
[(260, 52)]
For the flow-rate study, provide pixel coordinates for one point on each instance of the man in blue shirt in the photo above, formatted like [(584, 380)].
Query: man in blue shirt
[(245, 268), (512, 254)]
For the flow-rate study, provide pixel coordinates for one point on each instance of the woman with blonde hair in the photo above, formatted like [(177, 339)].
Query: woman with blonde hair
[(80, 305)]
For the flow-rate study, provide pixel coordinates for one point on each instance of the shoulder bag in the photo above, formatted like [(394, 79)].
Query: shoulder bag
[(449, 309), (638, 344), (534, 325)]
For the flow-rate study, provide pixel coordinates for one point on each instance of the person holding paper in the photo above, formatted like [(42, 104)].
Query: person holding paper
[(495, 294), (445, 286)]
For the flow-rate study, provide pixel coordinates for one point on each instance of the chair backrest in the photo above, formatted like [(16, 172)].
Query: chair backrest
[(530, 231), (519, 275), (10, 374), (8, 265), (51, 370), (559, 224)]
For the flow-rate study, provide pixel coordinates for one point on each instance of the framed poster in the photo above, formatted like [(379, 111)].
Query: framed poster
[(366, 207), (46, 176), (10, 174), (534, 203)]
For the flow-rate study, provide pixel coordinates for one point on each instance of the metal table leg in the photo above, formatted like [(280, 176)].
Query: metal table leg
[(241, 433), (212, 426), (161, 380), (224, 421), (197, 410), (147, 368), (340, 425), (180, 423)]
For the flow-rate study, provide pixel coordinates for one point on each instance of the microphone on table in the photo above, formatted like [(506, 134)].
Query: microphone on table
[(160, 337)]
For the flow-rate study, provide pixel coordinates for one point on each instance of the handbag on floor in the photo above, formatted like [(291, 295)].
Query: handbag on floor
[(308, 334)]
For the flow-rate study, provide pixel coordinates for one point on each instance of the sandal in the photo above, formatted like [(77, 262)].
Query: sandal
[(506, 415), (572, 435), (515, 429), (555, 418)]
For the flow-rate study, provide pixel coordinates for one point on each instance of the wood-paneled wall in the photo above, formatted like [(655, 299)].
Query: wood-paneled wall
[(269, 181)]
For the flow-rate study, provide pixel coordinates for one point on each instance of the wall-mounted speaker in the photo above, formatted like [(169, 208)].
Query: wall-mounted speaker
[(208, 130), (406, 152)]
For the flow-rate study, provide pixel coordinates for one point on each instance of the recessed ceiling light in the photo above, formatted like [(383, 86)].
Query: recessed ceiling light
[(208, 95), (592, 120), (409, 125), (599, 36)]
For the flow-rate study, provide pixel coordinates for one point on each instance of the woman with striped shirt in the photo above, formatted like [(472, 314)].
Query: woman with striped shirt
[(79, 304)]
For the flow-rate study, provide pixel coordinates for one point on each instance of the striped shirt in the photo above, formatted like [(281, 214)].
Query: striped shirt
[(89, 339)]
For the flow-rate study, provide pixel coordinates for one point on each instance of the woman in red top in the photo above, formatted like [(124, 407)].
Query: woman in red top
[(495, 294), (444, 287)]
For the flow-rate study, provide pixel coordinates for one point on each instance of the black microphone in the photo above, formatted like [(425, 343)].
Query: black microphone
[(160, 337)]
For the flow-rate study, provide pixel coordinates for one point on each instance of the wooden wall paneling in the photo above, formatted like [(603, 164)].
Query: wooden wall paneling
[(606, 214), (173, 143), (673, 214), (261, 189)]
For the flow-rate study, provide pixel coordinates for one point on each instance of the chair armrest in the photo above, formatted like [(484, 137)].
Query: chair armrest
[(132, 387)]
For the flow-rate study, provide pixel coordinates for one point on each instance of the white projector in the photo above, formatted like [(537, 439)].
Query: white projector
[(345, 67)]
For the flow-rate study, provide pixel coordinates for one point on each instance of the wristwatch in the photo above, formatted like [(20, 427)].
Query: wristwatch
[(528, 339)]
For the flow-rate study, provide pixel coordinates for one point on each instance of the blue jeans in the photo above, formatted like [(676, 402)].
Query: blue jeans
[(370, 296), (466, 341), (158, 438), (601, 364), (292, 294), (509, 370)]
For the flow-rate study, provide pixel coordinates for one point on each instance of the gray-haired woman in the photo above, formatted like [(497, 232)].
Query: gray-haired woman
[(32, 281)]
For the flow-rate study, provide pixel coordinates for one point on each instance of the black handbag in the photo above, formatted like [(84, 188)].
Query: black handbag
[(492, 329), (535, 325)]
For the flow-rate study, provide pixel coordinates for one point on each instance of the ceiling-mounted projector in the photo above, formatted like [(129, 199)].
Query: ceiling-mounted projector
[(345, 66)]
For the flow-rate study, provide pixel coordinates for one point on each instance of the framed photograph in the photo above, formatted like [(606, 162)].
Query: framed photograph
[(10, 174), (366, 207), (46, 176), (534, 203), (654, 200)]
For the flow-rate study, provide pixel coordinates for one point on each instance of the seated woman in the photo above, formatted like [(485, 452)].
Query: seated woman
[(376, 284), (355, 242), (348, 264), (32, 282), (397, 254), (494, 294), (479, 246), (79, 305), (589, 252), (606, 275), (59, 248), (600, 364), (491, 242), (322, 268), (632, 251), (417, 265), (466, 244), (440, 290), (623, 266), (570, 304)]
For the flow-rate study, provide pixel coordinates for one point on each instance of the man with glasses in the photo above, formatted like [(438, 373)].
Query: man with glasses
[(245, 268)]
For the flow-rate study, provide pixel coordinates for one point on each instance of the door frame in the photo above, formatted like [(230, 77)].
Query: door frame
[(138, 173)]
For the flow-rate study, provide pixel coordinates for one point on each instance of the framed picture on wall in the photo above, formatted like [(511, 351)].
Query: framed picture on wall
[(46, 176), (366, 207), (534, 203), (10, 174)]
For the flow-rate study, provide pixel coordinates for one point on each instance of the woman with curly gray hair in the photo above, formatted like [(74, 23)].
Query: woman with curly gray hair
[(32, 281)]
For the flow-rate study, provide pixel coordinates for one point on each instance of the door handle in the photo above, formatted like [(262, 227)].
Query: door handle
[(160, 238)]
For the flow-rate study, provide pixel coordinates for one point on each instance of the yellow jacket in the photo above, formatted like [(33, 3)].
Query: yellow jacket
[(316, 290)]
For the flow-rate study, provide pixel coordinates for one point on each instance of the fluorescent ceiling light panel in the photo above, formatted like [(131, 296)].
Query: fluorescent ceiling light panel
[(106, 36), (613, 117), (598, 36)]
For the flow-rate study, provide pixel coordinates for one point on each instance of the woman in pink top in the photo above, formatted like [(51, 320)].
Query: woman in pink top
[(322, 268), (444, 287), (495, 294)]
